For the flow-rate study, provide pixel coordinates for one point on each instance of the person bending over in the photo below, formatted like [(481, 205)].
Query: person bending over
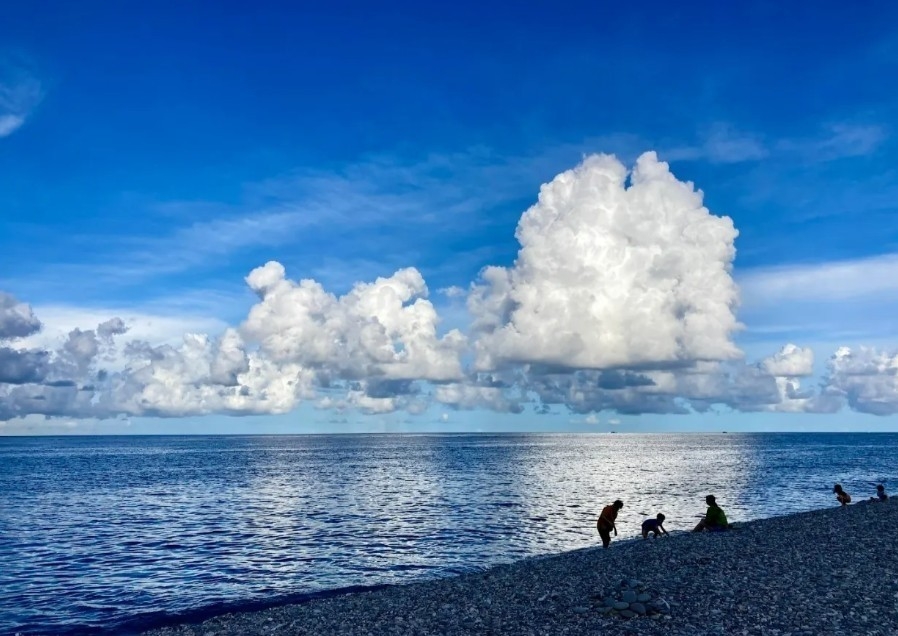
[(654, 526), (841, 496), (715, 519), (606, 522)]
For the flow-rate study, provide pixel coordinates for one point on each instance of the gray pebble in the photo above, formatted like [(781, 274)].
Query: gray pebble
[(644, 597), (620, 605), (628, 613), (639, 608), (628, 596)]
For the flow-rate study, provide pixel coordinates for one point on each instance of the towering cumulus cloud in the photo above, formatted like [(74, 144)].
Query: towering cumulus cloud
[(612, 274), (621, 298)]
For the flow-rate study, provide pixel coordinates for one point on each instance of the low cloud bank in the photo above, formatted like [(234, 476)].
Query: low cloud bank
[(621, 298)]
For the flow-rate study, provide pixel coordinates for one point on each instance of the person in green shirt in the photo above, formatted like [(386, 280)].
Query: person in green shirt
[(715, 519)]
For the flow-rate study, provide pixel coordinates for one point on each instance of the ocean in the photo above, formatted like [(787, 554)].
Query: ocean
[(119, 534)]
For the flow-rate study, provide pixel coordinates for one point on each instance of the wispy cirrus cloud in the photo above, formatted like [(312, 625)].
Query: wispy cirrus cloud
[(408, 202), (20, 93), (417, 206), (725, 143), (829, 281), (838, 141), (849, 300), (722, 143)]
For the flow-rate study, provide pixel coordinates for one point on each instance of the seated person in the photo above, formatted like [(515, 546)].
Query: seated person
[(841, 496), (880, 494), (654, 526), (715, 519)]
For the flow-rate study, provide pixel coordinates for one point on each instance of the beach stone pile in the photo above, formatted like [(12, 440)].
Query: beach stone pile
[(631, 599)]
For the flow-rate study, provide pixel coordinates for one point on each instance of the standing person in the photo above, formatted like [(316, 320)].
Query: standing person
[(841, 496), (880, 494), (654, 525), (606, 522), (715, 519)]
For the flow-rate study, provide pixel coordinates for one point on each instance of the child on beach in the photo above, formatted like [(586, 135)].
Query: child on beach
[(715, 519), (880, 494), (841, 496), (654, 526), (606, 522)]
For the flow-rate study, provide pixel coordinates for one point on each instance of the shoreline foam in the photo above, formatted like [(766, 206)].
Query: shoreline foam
[(821, 572)]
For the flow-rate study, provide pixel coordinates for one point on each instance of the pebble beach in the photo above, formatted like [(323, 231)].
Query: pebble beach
[(831, 571)]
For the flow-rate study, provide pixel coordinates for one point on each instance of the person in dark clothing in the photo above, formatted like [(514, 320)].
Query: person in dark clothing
[(654, 526), (606, 522), (880, 494), (841, 496)]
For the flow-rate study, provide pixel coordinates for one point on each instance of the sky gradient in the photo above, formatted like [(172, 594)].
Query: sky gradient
[(282, 218)]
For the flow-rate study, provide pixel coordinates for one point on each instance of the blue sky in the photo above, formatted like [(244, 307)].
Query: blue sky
[(154, 154)]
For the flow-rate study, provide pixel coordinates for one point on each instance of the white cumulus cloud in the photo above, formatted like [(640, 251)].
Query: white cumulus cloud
[(790, 361), (866, 378), (461, 395), (382, 329), (17, 320), (615, 270)]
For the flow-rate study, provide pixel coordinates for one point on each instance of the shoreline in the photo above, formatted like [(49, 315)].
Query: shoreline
[(831, 570)]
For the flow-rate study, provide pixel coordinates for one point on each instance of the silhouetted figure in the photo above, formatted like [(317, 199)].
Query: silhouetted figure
[(606, 522), (841, 496), (654, 526), (880, 494), (715, 519)]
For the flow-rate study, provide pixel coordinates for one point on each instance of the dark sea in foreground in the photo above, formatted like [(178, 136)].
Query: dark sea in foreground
[(117, 534)]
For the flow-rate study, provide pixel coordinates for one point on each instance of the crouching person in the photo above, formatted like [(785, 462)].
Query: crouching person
[(654, 526)]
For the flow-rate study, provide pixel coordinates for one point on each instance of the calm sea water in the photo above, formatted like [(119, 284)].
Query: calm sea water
[(114, 534)]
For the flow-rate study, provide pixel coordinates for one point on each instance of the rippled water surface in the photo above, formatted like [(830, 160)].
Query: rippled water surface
[(119, 533)]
